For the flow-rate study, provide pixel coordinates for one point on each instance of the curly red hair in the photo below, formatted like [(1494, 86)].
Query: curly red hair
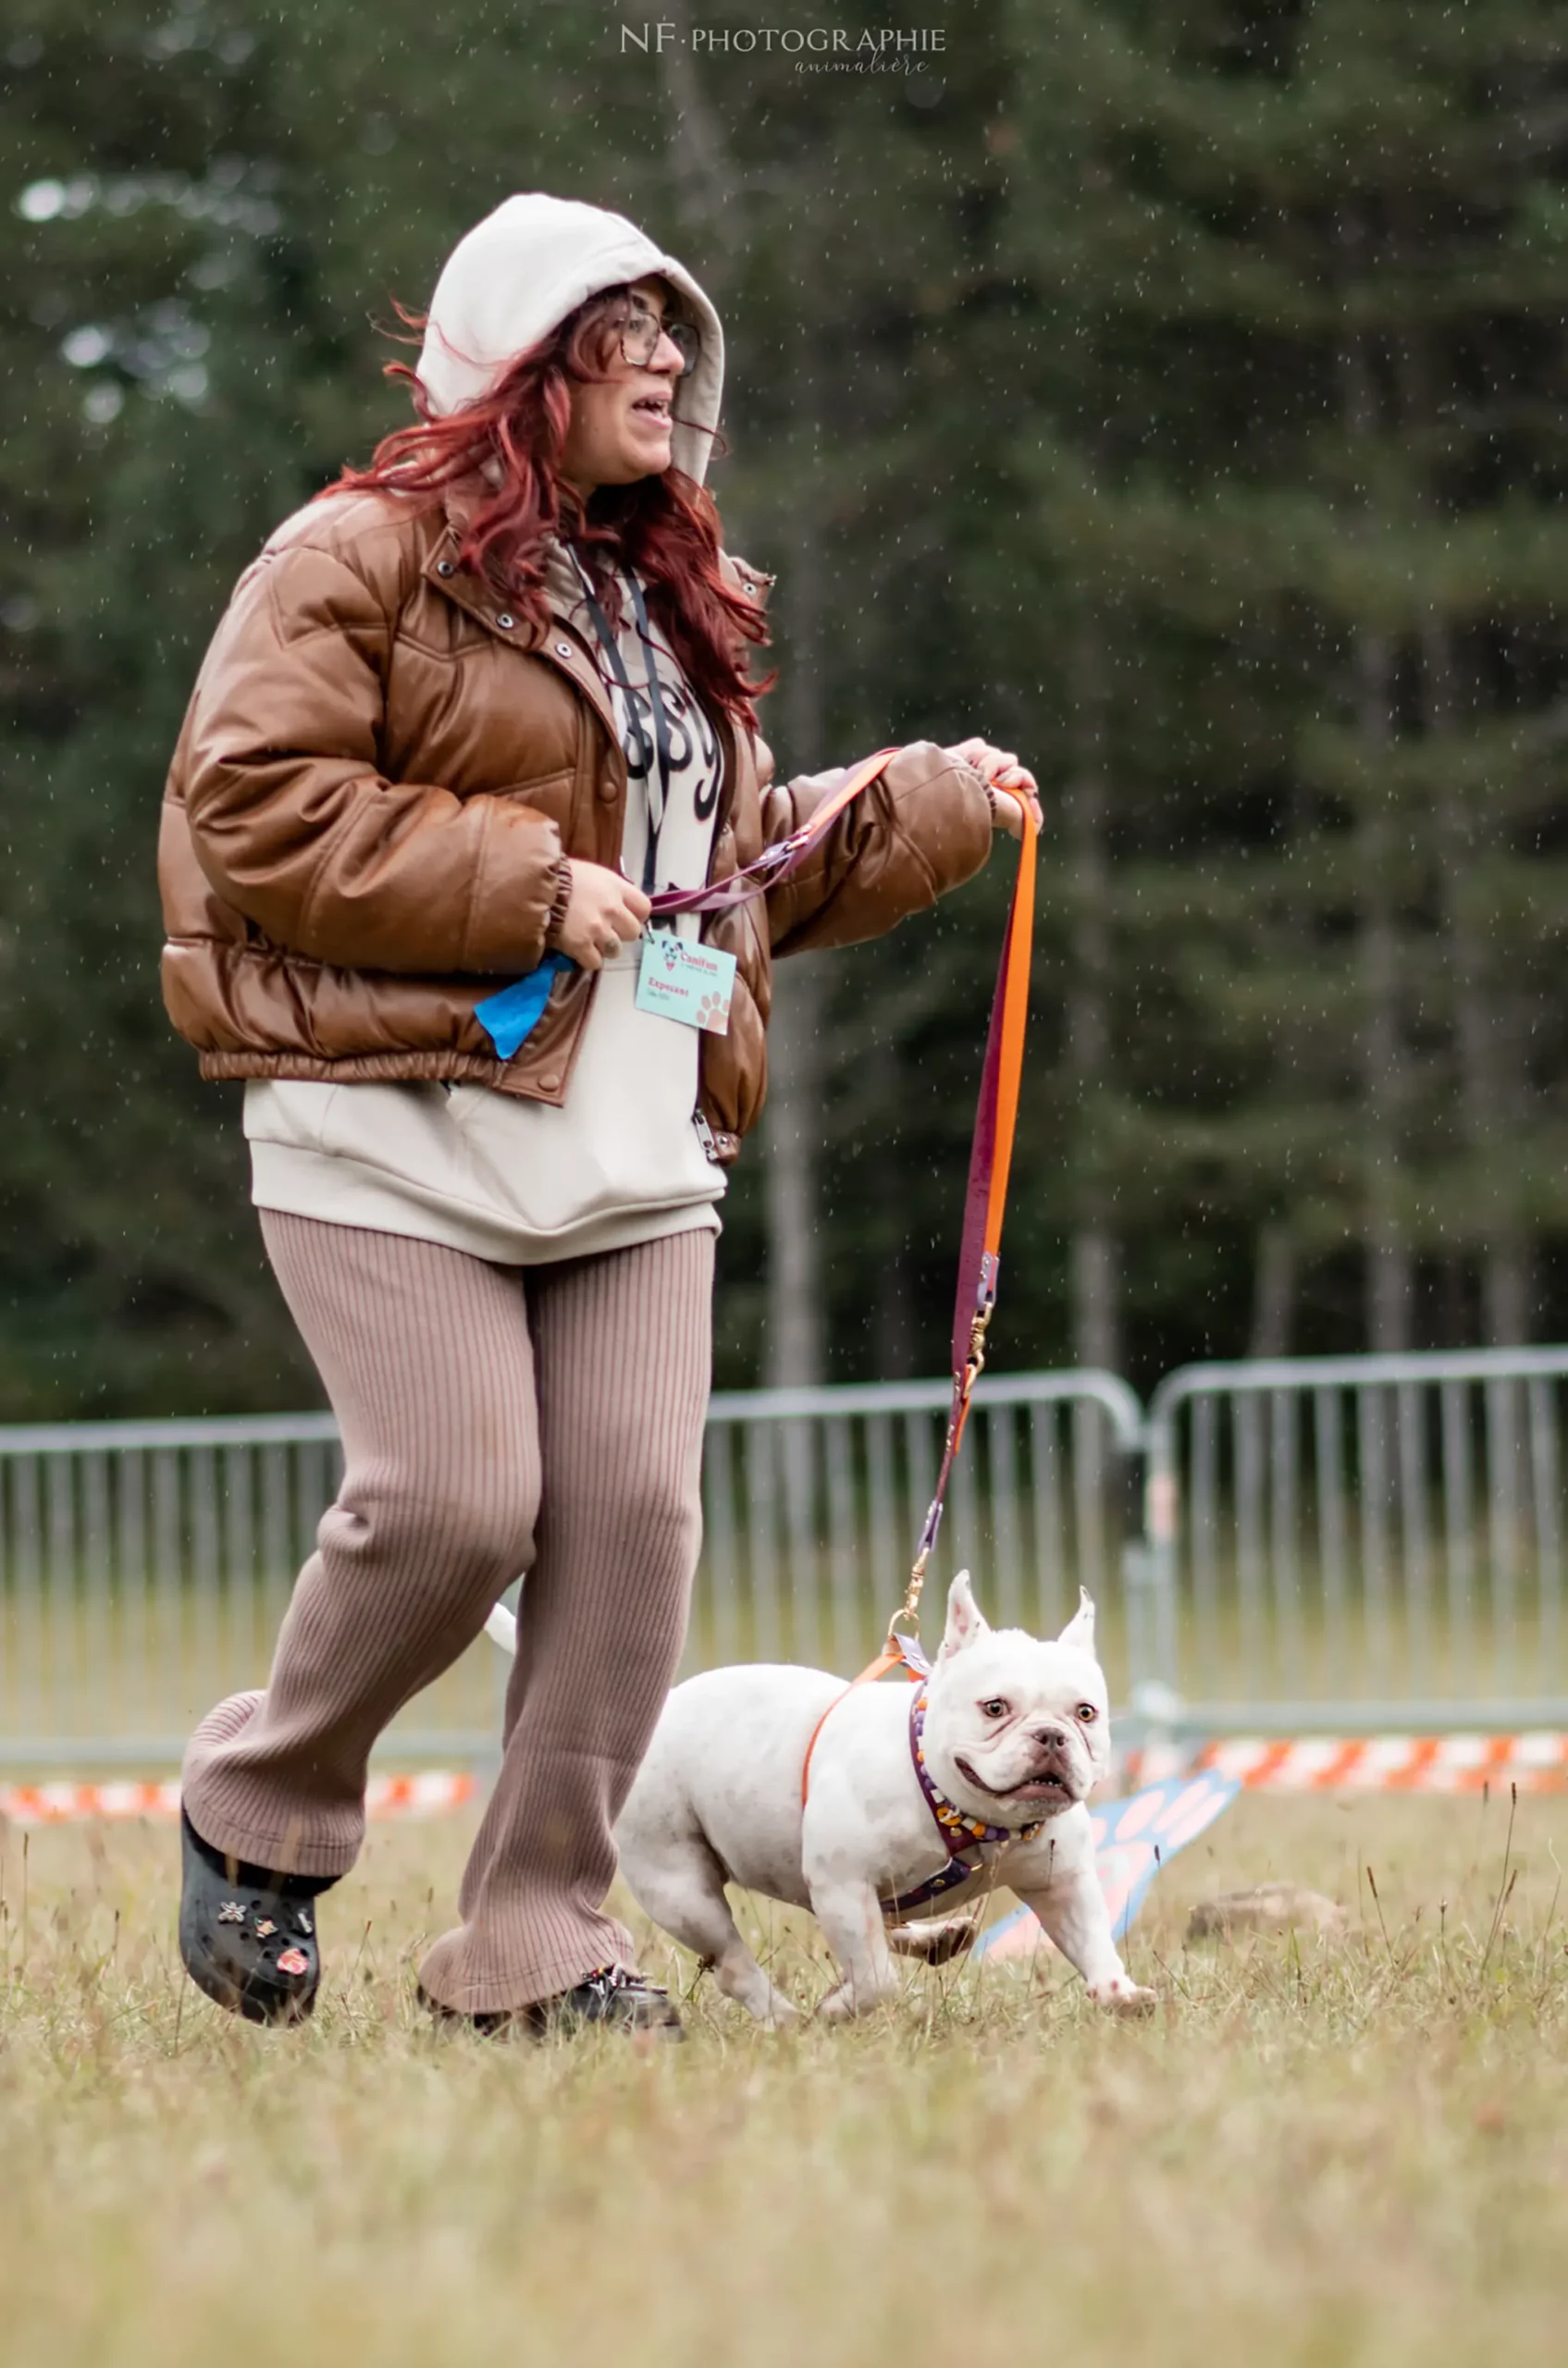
[(512, 441)]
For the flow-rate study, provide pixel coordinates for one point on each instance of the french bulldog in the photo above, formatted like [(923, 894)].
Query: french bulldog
[(1014, 1740)]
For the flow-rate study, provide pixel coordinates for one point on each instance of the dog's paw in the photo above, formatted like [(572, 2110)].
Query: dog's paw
[(937, 1941), (1122, 1996), (838, 2006), (841, 2006)]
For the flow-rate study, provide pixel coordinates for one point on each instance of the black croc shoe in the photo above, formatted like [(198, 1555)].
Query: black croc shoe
[(248, 1940), (623, 2001)]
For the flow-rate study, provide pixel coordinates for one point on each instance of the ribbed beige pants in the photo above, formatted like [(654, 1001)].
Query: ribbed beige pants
[(494, 1421)]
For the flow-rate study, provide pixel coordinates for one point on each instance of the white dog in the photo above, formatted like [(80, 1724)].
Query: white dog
[(978, 1776)]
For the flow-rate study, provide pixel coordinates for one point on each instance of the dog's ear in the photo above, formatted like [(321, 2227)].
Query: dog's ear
[(966, 1624), (1079, 1630)]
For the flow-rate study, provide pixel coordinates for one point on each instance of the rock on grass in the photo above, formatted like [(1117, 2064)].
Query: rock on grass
[(1267, 1907)]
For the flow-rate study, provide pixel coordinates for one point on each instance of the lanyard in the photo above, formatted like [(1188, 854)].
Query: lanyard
[(640, 753)]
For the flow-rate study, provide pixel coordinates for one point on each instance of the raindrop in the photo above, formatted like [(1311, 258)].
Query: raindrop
[(189, 383), (214, 271), (42, 201), (87, 346)]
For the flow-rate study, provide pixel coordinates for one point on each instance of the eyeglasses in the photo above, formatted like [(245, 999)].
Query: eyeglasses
[(640, 330)]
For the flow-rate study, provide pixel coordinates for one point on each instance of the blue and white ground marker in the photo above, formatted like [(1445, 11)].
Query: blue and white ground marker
[(1133, 1839)]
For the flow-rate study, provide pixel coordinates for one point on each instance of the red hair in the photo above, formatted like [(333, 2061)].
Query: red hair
[(666, 527)]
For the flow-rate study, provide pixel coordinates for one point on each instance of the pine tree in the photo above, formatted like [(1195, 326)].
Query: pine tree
[(1295, 442)]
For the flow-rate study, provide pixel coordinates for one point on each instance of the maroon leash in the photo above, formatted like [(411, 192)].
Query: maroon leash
[(996, 1117), (991, 1159), (785, 856)]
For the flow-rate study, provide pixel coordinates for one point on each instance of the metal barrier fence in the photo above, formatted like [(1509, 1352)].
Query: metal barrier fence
[(1352, 1544), (144, 1566), (1355, 1544)]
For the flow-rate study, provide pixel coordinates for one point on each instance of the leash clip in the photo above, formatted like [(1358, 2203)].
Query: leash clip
[(980, 1321), (909, 1610)]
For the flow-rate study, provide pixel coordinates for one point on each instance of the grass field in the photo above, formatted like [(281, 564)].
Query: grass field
[(1338, 2153)]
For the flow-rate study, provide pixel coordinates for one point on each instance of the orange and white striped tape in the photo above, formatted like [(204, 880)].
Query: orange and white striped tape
[(1536, 1763), (431, 1794)]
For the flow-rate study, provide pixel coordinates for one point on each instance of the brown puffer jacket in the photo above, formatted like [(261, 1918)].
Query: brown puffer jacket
[(378, 773)]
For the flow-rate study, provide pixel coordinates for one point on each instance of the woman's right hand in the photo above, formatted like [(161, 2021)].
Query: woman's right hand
[(1012, 784), (603, 913)]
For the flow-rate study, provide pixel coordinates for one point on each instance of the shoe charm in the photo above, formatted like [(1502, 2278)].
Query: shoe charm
[(231, 1912), (293, 1961), (266, 1927), (303, 1920)]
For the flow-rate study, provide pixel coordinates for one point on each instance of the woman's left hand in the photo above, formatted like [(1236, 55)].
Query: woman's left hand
[(1014, 784)]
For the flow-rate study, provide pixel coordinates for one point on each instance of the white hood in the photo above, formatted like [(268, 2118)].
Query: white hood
[(520, 271)]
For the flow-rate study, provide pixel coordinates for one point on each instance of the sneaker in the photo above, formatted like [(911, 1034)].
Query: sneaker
[(608, 1995), (611, 1995)]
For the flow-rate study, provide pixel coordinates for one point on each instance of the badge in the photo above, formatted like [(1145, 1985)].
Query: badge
[(682, 979)]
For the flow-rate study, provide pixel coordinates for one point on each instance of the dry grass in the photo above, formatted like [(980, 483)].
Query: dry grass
[(1340, 2155)]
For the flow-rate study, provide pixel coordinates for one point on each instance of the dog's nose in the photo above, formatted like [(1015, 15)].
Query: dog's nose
[(1050, 1738)]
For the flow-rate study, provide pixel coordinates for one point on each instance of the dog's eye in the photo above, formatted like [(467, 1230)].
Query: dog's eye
[(995, 1707), (1087, 1713)]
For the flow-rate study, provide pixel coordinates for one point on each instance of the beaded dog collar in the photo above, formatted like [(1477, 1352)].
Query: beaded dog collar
[(956, 1828), (959, 1831)]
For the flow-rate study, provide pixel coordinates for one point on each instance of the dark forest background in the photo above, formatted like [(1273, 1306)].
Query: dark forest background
[(1170, 388)]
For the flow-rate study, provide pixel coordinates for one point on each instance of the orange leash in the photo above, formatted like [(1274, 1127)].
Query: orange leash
[(892, 1657), (990, 1160)]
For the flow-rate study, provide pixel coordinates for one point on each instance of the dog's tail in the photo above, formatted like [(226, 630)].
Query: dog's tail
[(503, 1629)]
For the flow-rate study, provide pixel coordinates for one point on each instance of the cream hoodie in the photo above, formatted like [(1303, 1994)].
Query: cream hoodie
[(514, 1181), (520, 271)]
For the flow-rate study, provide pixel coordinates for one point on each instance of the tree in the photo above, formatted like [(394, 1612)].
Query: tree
[(1303, 300), (1166, 388)]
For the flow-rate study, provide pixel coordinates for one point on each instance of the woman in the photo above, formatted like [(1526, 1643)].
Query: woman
[(465, 715)]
